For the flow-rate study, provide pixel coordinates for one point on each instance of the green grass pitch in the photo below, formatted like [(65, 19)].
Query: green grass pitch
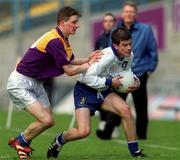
[(163, 141)]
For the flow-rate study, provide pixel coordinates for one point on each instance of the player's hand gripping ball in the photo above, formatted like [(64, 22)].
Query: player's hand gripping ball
[(128, 80)]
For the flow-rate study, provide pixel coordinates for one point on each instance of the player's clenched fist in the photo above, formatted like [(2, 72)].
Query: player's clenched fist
[(116, 82)]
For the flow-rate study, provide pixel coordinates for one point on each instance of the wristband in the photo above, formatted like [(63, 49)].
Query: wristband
[(108, 82)]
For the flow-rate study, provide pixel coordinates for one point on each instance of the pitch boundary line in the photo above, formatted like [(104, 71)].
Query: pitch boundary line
[(4, 157), (116, 141), (151, 146)]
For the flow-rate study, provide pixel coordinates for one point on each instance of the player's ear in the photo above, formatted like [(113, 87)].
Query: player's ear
[(115, 46), (61, 23)]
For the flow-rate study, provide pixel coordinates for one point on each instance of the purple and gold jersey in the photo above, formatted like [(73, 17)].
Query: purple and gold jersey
[(46, 57)]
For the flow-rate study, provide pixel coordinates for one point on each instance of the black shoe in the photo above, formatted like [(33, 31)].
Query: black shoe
[(103, 135), (139, 154), (54, 149)]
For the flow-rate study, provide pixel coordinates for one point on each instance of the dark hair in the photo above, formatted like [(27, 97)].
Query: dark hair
[(112, 15), (130, 3), (120, 34), (66, 12)]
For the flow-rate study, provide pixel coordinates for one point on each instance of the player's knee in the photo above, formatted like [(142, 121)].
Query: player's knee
[(51, 122), (48, 121), (84, 132), (126, 113)]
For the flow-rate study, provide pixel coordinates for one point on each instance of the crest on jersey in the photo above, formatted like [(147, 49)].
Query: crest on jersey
[(83, 100)]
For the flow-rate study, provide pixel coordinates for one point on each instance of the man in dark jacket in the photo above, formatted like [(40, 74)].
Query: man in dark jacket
[(109, 22)]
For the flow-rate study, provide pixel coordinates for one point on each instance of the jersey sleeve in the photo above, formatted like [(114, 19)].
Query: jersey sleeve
[(152, 50), (92, 76), (56, 50)]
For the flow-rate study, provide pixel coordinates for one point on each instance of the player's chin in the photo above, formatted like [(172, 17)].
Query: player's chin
[(73, 32), (128, 54)]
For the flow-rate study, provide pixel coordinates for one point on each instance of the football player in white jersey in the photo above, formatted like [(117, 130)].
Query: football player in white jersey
[(94, 90)]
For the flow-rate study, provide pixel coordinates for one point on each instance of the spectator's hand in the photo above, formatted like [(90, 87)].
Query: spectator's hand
[(135, 86)]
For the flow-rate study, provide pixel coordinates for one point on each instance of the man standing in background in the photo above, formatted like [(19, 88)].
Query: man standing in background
[(145, 61), (109, 22)]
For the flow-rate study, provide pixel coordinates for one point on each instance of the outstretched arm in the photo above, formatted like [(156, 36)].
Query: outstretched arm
[(79, 61), (72, 70), (58, 53)]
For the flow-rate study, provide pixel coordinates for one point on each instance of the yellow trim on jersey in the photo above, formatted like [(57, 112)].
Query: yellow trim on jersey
[(47, 37)]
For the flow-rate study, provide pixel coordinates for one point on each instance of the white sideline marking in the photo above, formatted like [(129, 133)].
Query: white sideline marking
[(5, 157), (20, 130), (116, 141), (162, 147), (152, 146)]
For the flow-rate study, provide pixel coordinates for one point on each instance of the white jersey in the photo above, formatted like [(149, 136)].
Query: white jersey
[(109, 66)]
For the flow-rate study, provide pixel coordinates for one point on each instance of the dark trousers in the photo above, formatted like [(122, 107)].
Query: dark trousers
[(140, 102)]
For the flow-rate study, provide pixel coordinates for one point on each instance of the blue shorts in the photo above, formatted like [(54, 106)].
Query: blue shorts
[(86, 97)]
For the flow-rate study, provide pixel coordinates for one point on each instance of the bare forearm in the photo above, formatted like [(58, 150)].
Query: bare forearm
[(81, 65), (93, 57), (72, 70), (79, 61)]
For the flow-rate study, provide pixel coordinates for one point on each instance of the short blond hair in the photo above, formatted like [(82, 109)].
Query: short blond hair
[(66, 12)]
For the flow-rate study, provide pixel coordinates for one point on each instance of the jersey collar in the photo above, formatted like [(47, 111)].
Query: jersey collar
[(60, 32), (135, 25), (116, 54), (62, 35)]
